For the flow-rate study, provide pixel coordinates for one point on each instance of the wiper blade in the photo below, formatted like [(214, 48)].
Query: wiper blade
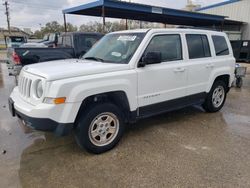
[(94, 58)]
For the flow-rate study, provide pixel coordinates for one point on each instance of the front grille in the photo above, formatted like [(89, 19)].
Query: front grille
[(24, 86)]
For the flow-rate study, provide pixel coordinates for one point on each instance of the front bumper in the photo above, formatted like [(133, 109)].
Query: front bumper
[(42, 122)]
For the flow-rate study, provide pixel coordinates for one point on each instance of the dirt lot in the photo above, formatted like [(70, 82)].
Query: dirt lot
[(185, 148)]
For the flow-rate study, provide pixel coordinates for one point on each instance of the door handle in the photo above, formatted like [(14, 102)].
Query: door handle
[(179, 70), (210, 65)]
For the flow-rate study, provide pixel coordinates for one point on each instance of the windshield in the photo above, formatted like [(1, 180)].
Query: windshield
[(115, 48)]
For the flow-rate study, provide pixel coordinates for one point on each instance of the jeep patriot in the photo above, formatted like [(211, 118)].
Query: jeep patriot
[(126, 76)]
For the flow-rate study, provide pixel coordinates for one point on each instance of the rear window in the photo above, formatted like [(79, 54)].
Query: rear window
[(198, 46), (220, 45), (87, 41), (67, 41), (17, 39)]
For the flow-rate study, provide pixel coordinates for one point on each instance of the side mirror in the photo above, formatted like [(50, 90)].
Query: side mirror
[(151, 58)]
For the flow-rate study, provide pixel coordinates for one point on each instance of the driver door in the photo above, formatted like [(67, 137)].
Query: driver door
[(160, 84)]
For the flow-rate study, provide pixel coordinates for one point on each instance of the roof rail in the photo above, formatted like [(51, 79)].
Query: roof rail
[(201, 28)]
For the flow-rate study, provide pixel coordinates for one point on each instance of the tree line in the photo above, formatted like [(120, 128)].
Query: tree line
[(54, 26)]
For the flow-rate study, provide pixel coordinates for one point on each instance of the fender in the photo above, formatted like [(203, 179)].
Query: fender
[(220, 72), (79, 88)]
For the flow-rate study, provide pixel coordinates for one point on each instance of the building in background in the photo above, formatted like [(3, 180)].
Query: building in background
[(191, 6), (14, 32), (238, 10)]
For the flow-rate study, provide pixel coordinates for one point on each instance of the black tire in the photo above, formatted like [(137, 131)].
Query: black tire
[(87, 122), (239, 82), (208, 105)]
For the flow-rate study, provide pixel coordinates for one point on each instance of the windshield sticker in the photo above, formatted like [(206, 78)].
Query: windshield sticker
[(116, 54), (126, 38)]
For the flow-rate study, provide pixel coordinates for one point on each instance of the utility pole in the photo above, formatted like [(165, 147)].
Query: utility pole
[(6, 4)]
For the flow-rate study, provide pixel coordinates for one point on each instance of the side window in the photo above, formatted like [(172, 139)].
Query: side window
[(198, 46), (67, 41), (60, 41), (168, 45), (220, 45)]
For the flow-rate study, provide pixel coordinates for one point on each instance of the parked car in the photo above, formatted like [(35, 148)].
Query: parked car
[(49, 41), (70, 45), (126, 76), (15, 41)]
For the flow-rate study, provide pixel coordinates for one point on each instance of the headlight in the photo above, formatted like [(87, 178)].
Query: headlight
[(39, 89)]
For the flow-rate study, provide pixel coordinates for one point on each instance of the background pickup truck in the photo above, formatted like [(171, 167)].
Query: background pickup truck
[(50, 40), (70, 45)]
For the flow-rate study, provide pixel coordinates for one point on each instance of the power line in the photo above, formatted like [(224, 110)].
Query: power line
[(6, 4)]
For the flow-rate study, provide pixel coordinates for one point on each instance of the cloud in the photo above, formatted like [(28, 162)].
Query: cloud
[(33, 13)]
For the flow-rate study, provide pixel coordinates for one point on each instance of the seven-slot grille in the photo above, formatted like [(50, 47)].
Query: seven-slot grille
[(24, 86)]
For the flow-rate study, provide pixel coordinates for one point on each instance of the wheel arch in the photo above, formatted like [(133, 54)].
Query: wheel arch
[(224, 77), (119, 98)]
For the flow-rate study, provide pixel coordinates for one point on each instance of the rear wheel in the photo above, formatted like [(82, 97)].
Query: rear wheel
[(100, 128), (216, 97)]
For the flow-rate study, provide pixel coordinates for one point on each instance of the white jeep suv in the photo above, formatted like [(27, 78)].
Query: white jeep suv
[(126, 76)]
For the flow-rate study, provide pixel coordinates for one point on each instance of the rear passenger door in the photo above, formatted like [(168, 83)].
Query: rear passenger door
[(199, 63)]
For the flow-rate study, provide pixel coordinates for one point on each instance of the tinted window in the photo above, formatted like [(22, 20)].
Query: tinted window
[(220, 45), (17, 39), (168, 45), (87, 41), (198, 46)]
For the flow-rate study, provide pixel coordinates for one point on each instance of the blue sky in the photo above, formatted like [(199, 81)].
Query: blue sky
[(35, 13)]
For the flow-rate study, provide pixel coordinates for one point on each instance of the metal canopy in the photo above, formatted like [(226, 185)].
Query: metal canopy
[(134, 11)]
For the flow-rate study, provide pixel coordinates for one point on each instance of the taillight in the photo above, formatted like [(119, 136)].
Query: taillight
[(16, 58)]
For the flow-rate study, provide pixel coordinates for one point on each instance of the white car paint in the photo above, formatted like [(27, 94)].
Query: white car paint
[(78, 79), (34, 45)]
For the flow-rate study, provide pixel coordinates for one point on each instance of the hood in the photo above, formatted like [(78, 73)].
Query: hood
[(61, 69)]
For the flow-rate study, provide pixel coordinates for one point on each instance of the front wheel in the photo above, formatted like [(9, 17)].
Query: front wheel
[(216, 97), (100, 128)]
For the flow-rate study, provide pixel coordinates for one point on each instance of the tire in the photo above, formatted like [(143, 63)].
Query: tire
[(239, 82), (214, 102), (100, 128)]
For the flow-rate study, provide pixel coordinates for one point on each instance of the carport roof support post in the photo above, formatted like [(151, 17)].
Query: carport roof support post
[(103, 19), (65, 23)]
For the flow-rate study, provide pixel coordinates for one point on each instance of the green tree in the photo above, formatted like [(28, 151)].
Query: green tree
[(97, 27), (70, 28), (52, 27)]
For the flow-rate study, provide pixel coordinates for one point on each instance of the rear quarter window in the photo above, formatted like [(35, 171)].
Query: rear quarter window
[(220, 45)]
